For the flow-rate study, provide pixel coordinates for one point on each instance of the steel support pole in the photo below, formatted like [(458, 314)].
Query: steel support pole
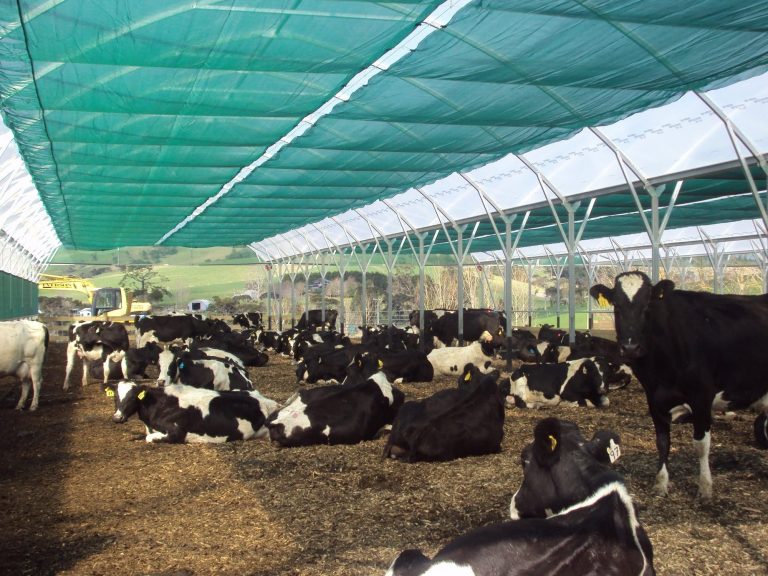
[(269, 296)]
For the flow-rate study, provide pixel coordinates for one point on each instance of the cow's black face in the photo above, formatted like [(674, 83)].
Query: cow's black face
[(560, 468)]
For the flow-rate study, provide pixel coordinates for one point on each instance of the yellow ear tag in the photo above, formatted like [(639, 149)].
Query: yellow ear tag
[(381, 364), (603, 301), (110, 393), (141, 395), (467, 377), (553, 440)]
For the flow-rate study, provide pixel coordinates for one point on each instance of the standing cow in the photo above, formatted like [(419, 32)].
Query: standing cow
[(706, 351), (23, 344)]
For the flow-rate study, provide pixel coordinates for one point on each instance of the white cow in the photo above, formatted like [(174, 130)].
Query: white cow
[(22, 352), (450, 360)]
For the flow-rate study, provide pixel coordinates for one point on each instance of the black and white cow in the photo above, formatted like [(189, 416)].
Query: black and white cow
[(450, 360), (578, 382), (179, 413), (465, 421), (476, 322), (168, 329), (248, 319), (235, 344), (23, 344), (703, 350), (203, 368), (560, 468), (405, 366), (338, 414), (596, 532), (315, 318), (99, 341), (268, 339)]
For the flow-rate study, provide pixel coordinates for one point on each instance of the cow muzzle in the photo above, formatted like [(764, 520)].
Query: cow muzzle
[(630, 350), (118, 418)]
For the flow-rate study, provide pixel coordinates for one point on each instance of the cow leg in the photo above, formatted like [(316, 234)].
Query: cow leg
[(156, 436), (661, 425), (105, 364), (36, 376), (71, 354), (86, 365), (702, 424), (25, 386)]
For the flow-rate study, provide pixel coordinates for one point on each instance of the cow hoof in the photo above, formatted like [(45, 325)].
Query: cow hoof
[(662, 482), (33, 408), (704, 494)]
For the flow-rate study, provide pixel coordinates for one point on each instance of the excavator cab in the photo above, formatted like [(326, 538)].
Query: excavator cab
[(109, 302)]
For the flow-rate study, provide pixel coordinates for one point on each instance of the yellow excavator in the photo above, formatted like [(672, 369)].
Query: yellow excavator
[(105, 302)]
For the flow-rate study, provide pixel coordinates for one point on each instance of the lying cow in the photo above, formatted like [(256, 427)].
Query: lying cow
[(248, 319), (578, 382), (450, 360), (338, 414), (203, 368), (596, 531), (99, 341), (23, 344), (465, 421), (399, 367), (179, 413)]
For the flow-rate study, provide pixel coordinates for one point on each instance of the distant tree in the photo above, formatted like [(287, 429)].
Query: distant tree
[(145, 282)]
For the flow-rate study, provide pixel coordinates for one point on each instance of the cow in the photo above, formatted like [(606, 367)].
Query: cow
[(476, 322), (696, 348), (338, 414), (23, 344), (137, 360), (450, 360), (248, 319), (385, 337), (326, 363), (450, 424), (560, 468), (404, 366), (179, 413), (100, 341), (597, 532), (311, 318), (235, 344), (203, 368), (168, 329), (578, 382), (267, 338)]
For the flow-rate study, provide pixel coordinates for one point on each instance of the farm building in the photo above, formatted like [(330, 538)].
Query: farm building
[(501, 141)]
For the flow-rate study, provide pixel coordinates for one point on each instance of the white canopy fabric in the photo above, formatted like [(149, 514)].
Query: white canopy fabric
[(685, 136), (27, 237)]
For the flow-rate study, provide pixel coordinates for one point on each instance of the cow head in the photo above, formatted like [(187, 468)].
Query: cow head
[(127, 396), (560, 468), (631, 297)]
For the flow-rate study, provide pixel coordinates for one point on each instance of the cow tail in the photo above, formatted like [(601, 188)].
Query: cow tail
[(47, 340)]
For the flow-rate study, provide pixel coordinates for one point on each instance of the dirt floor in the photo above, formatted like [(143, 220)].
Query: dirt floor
[(80, 495)]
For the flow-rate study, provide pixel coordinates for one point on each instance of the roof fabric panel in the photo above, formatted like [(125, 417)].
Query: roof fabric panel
[(181, 104), (186, 93)]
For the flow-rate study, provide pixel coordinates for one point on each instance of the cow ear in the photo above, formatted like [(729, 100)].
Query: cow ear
[(546, 441), (602, 294), (662, 289), (109, 390)]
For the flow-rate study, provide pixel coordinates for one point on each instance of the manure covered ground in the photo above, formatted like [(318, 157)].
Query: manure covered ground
[(81, 495)]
